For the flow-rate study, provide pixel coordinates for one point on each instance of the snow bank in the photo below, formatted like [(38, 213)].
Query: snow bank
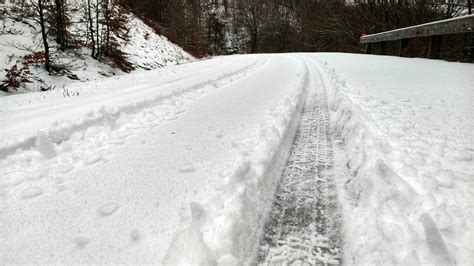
[(230, 224), (407, 195), (62, 130)]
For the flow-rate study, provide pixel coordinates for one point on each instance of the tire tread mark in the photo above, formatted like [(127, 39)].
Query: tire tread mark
[(305, 220)]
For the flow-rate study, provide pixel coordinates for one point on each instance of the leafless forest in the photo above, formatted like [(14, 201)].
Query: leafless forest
[(240, 26)]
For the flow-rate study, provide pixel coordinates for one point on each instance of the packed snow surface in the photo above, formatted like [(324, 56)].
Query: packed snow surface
[(180, 165)]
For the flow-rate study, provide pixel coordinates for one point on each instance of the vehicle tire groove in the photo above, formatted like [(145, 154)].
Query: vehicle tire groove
[(304, 224)]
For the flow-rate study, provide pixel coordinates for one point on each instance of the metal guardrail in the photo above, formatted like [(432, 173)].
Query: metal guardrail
[(463, 24), (433, 30)]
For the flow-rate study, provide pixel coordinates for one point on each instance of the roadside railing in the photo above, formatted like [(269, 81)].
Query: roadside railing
[(433, 30)]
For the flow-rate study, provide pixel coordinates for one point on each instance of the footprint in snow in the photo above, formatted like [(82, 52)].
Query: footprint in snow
[(135, 235), (108, 209), (34, 176), (110, 122), (445, 179), (58, 180), (16, 178), (235, 144), (92, 159), (31, 192), (170, 118), (61, 188), (187, 168), (219, 135), (81, 241), (65, 168), (116, 141)]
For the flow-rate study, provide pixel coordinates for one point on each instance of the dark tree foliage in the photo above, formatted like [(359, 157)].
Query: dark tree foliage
[(228, 26)]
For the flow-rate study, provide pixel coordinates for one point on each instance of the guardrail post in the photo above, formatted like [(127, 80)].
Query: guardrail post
[(383, 48), (401, 45), (368, 48), (434, 47)]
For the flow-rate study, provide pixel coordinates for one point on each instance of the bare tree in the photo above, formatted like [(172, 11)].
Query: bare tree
[(91, 28), (288, 25), (60, 16), (44, 35), (253, 14)]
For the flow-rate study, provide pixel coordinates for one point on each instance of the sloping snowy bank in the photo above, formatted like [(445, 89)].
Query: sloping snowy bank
[(58, 126), (407, 129)]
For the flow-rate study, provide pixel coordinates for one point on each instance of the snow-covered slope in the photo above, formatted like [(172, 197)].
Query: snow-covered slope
[(148, 50), (144, 49), (180, 164)]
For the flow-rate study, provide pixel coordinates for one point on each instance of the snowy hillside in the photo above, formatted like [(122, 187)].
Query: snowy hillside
[(237, 160), (147, 50), (20, 42)]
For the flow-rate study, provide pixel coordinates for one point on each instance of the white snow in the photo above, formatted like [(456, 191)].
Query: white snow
[(148, 50), (407, 129), (189, 167), (144, 50), (45, 146), (108, 120), (180, 165), (108, 209)]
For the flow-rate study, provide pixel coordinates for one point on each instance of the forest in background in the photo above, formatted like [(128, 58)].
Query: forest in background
[(220, 27), (217, 27)]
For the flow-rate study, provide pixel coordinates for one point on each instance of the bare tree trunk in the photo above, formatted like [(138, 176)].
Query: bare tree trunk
[(60, 24), (91, 27), (253, 42), (47, 63), (98, 39), (107, 24)]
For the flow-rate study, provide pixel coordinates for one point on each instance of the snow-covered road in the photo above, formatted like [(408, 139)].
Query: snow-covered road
[(305, 221), (113, 178), (181, 165)]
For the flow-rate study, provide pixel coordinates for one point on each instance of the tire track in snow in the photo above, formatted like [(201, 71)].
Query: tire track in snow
[(63, 133), (304, 223), (92, 141)]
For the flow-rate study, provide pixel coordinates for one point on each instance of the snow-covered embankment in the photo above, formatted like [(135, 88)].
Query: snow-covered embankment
[(406, 129)]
